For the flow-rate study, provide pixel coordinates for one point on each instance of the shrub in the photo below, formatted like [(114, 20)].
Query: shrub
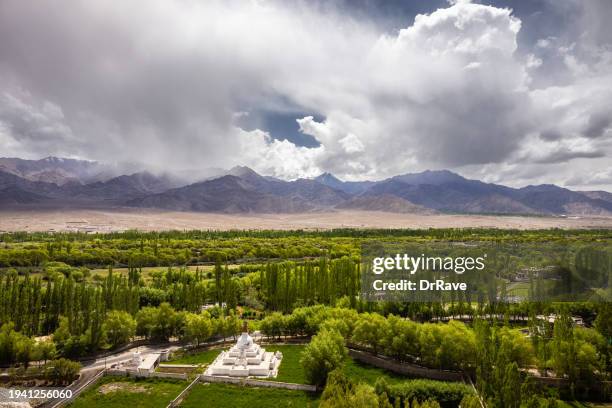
[(448, 394), (341, 392), (323, 354), (62, 371)]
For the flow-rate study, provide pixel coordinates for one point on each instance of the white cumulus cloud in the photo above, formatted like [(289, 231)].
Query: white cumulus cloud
[(161, 83)]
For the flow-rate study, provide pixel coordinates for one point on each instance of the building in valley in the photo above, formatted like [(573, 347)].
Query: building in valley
[(246, 359)]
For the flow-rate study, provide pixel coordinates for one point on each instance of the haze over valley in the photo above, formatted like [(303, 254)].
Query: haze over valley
[(57, 183)]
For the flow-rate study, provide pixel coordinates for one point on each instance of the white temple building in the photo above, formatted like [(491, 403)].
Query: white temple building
[(245, 359)]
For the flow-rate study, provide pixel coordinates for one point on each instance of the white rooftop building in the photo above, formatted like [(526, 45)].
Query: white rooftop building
[(148, 363), (246, 359)]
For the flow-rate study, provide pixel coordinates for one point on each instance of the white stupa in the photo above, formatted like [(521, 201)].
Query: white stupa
[(245, 359)]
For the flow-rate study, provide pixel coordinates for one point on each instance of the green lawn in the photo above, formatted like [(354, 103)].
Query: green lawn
[(290, 368), (204, 357), (518, 289), (292, 371), (120, 392), (360, 372), (232, 396)]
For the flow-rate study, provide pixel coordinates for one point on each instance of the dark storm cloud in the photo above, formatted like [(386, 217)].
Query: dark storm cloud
[(123, 84), (551, 135), (40, 127), (565, 155), (598, 123), (361, 88)]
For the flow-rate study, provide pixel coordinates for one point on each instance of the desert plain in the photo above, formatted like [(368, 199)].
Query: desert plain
[(95, 220)]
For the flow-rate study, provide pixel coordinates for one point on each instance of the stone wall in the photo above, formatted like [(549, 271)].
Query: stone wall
[(258, 383), (166, 365), (407, 369), (177, 401), (136, 374), (175, 376), (116, 372)]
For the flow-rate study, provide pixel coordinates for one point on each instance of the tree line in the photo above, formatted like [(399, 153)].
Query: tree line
[(284, 285), (492, 351), (175, 248)]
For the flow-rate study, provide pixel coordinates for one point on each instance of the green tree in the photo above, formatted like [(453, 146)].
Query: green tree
[(603, 322), (371, 330), (62, 371), (511, 388), (67, 344), (119, 327), (426, 404), (198, 328), (165, 322), (470, 401), (231, 325), (325, 352), (25, 350), (564, 347), (340, 392), (273, 325), (46, 350), (146, 321)]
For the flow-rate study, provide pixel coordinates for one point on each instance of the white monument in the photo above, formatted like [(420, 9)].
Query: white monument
[(245, 359)]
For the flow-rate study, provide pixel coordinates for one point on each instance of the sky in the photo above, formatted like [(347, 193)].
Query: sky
[(508, 91)]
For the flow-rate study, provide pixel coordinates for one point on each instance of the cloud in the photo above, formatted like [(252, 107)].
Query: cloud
[(544, 149), (278, 157), (550, 134), (28, 128), (166, 83), (417, 105), (562, 155), (533, 61), (594, 179), (598, 123)]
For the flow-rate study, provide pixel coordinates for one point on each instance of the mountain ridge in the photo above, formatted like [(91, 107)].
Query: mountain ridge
[(242, 190)]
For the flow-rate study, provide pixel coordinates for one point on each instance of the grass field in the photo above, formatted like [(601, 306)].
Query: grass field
[(290, 369), (120, 392), (359, 372), (178, 370), (146, 271), (231, 396), (205, 357), (520, 289)]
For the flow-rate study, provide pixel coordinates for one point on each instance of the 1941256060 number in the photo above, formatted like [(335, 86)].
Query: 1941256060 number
[(39, 393)]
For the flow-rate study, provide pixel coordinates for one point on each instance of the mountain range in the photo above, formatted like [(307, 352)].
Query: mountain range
[(68, 183)]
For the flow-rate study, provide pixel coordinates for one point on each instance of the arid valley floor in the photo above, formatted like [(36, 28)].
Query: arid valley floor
[(152, 220)]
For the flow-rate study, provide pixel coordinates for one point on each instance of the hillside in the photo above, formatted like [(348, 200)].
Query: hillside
[(242, 190)]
